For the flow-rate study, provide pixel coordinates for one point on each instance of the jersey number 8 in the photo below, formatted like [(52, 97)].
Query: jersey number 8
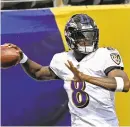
[(79, 97)]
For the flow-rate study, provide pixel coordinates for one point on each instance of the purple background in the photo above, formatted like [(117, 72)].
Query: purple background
[(24, 100)]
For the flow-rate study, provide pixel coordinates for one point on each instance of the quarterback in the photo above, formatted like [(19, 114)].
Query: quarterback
[(91, 74)]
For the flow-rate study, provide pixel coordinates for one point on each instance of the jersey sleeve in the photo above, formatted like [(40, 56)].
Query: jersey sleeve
[(57, 65), (112, 61)]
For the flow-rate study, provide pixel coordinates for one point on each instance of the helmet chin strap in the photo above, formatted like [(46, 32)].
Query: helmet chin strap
[(85, 49)]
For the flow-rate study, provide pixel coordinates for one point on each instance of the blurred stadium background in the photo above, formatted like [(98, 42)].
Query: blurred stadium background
[(28, 4)]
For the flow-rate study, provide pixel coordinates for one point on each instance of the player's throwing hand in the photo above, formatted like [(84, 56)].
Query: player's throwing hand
[(18, 50), (11, 55), (78, 76)]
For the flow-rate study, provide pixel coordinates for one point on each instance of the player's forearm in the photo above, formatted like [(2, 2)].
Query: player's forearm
[(38, 71), (107, 83), (31, 67)]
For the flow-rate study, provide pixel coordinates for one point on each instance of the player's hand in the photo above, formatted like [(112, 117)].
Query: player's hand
[(18, 50), (78, 76)]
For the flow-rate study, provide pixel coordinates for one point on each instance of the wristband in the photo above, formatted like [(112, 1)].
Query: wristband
[(24, 60), (120, 84)]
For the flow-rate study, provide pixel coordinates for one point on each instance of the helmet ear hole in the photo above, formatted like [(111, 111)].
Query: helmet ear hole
[(70, 42), (71, 28)]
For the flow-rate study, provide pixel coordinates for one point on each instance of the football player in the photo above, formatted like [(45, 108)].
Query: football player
[(91, 74)]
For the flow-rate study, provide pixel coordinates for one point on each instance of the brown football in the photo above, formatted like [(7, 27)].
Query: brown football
[(9, 56)]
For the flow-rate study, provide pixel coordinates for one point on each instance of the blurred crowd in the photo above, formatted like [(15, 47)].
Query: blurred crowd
[(28, 4)]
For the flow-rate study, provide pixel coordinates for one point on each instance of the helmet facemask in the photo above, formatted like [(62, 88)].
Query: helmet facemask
[(88, 39)]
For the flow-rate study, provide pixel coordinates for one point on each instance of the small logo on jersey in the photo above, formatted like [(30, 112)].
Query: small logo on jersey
[(116, 58)]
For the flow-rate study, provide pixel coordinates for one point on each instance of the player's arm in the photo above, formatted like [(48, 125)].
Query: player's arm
[(32, 68), (109, 82), (38, 71)]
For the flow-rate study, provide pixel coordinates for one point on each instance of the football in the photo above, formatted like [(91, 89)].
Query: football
[(9, 57)]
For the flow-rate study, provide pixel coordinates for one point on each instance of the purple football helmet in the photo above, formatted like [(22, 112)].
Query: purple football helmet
[(81, 27)]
